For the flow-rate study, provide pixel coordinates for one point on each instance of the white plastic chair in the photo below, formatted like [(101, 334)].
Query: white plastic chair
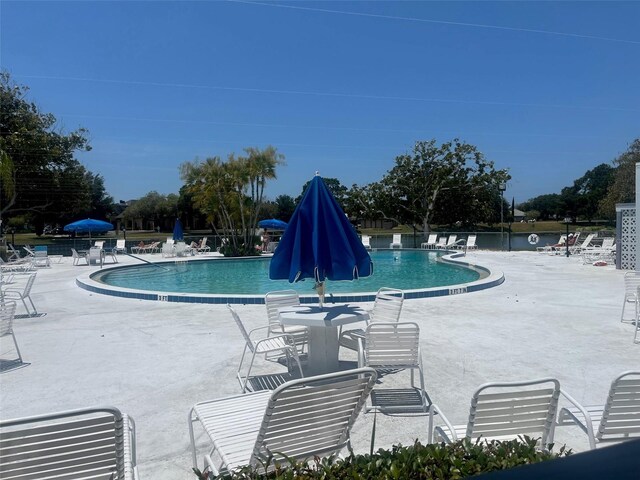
[(169, 249), (631, 284), (471, 243), (386, 308), (395, 347), (99, 243), (283, 343), (299, 420), (203, 246), (617, 420), (120, 247), (77, 256), (282, 299), (503, 411), (442, 243), (15, 292), (366, 241), (15, 254), (397, 241), (7, 314), (431, 241), (451, 242), (81, 444)]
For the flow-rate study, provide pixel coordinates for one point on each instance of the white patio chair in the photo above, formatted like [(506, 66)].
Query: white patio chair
[(617, 420), (283, 343), (442, 243), (386, 308), (551, 248), (96, 255), (605, 252), (282, 299), (80, 444), (631, 284), (431, 242), (471, 243), (169, 248), (397, 241), (395, 347), (203, 246), (21, 265), (152, 247), (120, 247), (366, 241), (503, 411), (299, 420), (21, 290), (451, 242), (576, 248), (41, 257), (77, 256), (14, 254), (7, 314), (99, 244)]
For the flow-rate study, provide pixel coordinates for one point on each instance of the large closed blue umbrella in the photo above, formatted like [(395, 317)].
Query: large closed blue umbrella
[(272, 224), (178, 234), (319, 242), (88, 225)]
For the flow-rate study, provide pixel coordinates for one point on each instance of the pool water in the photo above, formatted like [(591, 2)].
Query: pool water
[(405, 270)]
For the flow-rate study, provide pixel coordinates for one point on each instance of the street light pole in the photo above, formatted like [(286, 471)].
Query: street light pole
[(502, 187), (567, 221)]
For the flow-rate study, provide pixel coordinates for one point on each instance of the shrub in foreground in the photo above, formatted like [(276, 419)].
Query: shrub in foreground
[(436, 461)]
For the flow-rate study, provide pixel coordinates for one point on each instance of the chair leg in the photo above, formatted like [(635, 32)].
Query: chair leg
[(35, 310), (297, 359), (16, 344), (238, 373), (26, 307), (190, 421), (246, 379)]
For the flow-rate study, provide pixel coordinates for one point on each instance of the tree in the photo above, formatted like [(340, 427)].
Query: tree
[(231, 193), (285, 206), (412, 192), (582, 199), (548, 206), (38, 170), (153, 207), (623, 186)]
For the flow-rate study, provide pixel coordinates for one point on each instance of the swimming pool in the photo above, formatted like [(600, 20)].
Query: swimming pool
[(420, 273)]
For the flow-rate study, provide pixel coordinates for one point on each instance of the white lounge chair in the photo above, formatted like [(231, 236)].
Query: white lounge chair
[(299, 420), (631, 284), (7, 314), (282, 299), (451, 242), (99, 243), (504, 411), (120, 247), (80, 444), (617, 420), (21, 265), (14, 254), (395, 347), (471, 243), (282, 343), (577, 248), (442, 243), (431, 242), (203, 246), (551, 248), (77, 256), (605, 252), (21, 290), (169, 249), (366, 241), (29, 250), (41, 257), (397, 241), (386, 308)]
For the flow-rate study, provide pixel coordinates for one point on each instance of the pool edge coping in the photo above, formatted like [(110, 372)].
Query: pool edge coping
[(491, 279)]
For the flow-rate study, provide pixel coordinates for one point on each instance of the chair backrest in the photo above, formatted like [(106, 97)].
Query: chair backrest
[(99, 243), (170, 241), (433, 238), (392, 344), (7, 314), (120, 243), (515, 408), (452, 239), (243, 330), (29, 283), (276, 300), (312, 416), (28, 249), (49, 446), (204, 242), (631, 283), (95, 252), (397, 238), (442, 241), (74, 253), (471, 240), (587, 240), (387, 305), (366, 240), (608, 242), (621, 415)]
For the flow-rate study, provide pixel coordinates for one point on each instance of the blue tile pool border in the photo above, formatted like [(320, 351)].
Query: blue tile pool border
[(488, 279)]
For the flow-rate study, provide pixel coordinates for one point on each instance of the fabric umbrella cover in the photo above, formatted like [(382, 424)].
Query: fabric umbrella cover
[(88, 225), (178, 234), (272, 224), (319, 242)]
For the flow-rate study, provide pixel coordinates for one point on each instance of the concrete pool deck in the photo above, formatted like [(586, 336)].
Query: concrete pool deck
[(552, 316)]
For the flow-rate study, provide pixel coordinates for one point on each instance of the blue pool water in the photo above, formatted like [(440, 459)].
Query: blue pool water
[(399, 269)]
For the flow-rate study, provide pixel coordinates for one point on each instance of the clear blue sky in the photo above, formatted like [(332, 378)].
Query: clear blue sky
[(545, 89)]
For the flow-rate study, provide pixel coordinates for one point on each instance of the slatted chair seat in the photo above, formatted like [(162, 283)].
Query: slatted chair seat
[(300, 419), (617, 420), (94, 443), (503, 411)]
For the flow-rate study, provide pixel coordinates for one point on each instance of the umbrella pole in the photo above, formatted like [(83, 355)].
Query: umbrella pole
[(320, 292)]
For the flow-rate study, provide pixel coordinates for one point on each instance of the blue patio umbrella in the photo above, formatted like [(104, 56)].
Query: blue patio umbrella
[(88, 225), (272, 224), (319, 242), (178, 234)]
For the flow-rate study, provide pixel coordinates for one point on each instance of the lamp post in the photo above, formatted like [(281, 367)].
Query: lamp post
[(567, 221), (502, 187)]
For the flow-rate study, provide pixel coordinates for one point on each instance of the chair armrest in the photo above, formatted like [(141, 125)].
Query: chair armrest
[(588, 426), (360, 352), (258, 328), (435, 410)]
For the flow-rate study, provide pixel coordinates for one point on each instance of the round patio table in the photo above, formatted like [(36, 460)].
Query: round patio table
[(323, 326)]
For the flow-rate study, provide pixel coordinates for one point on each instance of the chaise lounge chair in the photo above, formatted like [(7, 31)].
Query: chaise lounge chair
[(90, 443), (431, 242), (300, 420), (504, 411), (397, 241), (366, 241), (617, 420)]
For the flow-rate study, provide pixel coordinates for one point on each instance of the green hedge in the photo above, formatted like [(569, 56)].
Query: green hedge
[(436, 461)]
